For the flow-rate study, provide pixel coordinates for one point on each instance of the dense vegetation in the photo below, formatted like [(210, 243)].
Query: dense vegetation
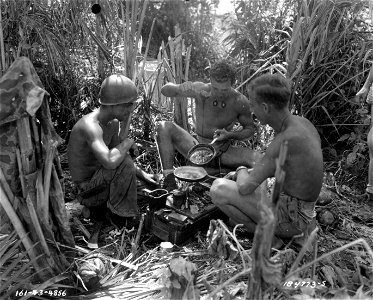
[(324, 47)]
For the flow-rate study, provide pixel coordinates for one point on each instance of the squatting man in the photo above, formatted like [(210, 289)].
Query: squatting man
[(98, 153), (239, 198)]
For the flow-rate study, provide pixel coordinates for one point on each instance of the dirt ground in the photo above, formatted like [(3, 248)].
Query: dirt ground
[(344, 241)]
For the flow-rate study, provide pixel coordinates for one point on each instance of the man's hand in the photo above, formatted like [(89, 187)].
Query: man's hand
[(127, 143), (231, 175), (148, 178), (151, 178), (134, 150), (221, 135)]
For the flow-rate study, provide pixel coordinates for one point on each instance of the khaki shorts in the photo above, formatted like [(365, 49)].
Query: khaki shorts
[(115, 187), (295, 216)]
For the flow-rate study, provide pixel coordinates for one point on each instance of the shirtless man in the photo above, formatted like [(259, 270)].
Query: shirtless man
[(218, 107), (366, 93), (269, 98), (98, 152)]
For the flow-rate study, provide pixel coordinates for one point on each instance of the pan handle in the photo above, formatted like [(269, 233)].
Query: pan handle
[(146, 190)]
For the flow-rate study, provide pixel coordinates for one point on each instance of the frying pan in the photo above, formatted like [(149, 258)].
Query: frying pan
[(210, 150), (190, 173)]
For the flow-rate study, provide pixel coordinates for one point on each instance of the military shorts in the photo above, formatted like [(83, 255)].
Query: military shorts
[(295, 216)]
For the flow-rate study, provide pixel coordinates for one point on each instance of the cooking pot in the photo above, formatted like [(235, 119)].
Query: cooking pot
[(157, 198)]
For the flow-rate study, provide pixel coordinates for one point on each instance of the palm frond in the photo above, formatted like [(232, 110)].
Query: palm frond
[(15, 267)]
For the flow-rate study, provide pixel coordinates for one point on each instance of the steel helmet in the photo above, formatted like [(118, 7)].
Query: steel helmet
[(117, 89)]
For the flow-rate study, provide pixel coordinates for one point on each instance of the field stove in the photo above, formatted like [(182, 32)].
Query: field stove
[(177, 222)]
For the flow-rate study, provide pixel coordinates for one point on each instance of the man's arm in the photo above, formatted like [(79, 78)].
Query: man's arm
[(108, 158), (265, 168), (186, 89), (246, 121)]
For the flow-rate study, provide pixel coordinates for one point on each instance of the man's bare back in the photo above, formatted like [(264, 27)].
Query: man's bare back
[(304, 168), (82, 160)]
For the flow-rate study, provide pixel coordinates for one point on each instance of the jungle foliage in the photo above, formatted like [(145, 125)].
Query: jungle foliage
[(73, 49), (325, 48)]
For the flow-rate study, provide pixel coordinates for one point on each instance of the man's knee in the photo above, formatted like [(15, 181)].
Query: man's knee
[(218, 191), (127, 165)]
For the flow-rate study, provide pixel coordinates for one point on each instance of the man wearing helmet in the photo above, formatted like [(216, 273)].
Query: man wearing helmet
[(98, 152), (218, 108)]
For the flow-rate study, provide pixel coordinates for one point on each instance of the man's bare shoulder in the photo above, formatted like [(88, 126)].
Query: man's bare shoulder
[(240, 98), (300, 128), (87, 126), (242, 103), (299, 134)]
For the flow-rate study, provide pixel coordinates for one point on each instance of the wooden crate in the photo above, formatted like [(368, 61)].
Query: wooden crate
[(178, 232)]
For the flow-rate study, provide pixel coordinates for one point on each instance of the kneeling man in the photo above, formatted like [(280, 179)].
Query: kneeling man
[(269, 99)]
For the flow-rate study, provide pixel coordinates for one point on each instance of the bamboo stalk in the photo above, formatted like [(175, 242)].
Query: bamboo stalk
[(187, 61), (168, 69), (37, 227), (2, 47), (38, 151), (141, 21), (7, 189), (124, 38), (172, 56), (314, 257), (134, 7), (135, 244), (371, 115), (20, 171), (132, 47), (58, 209), (40, 194), (127, 46), (147, 48), (25, 146), (51, 149)]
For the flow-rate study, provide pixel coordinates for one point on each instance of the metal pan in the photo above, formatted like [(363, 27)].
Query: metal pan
[(201, 154), (190, 173)]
